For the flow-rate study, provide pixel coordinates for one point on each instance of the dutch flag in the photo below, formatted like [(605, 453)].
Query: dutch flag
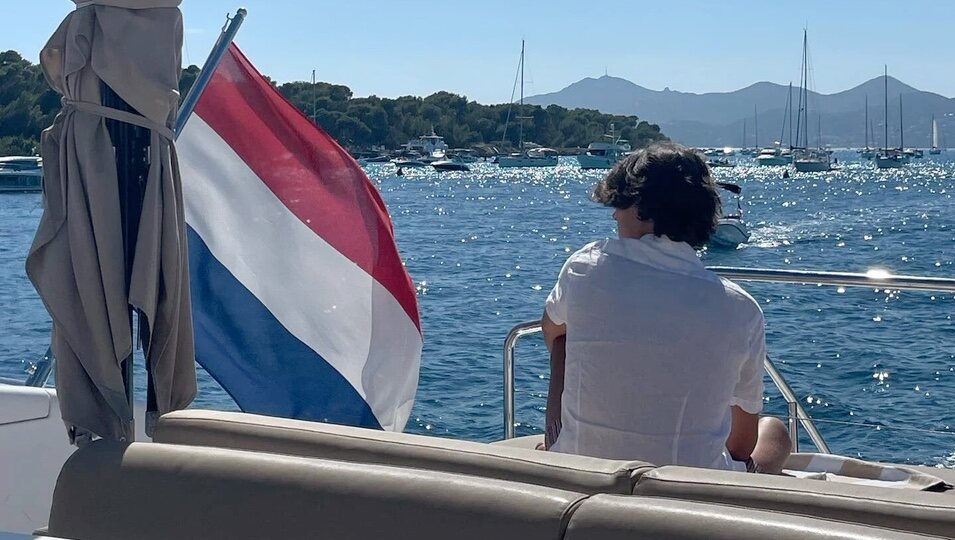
[(301, 305)]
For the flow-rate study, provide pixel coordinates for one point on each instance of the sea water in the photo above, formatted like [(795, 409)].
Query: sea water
[(875, 367)]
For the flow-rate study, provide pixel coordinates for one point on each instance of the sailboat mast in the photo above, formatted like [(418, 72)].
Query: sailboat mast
[(805, 86), (799, 106), (901, 129), (885, 80), (744, 134), (521, 107), (755, 127), (866, 126), (789, 105)]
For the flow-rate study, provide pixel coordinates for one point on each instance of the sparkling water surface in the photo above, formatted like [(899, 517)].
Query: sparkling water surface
[(875, 367)]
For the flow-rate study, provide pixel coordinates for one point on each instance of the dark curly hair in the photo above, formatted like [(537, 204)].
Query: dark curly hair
[(670, 184)]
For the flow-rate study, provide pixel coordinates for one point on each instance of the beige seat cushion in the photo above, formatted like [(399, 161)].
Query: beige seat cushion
[(528, 442), (908, 510), (160, 491), (615, 517), (294, 437)]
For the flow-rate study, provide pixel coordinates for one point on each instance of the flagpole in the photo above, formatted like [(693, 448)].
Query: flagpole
[(229, 31)]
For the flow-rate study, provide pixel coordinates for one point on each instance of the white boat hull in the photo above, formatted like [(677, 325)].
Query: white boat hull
[(811, 165), (773, 161), (33, 448), (522, 161), (448, 165), (890, 162), (596, 162), (410, 163), (21, 181), (730, 232)]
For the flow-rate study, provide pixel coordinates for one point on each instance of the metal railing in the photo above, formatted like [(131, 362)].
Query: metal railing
[(797, 415)]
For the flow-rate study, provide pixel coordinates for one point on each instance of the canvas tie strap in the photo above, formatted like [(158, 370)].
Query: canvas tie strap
[(121, 116)]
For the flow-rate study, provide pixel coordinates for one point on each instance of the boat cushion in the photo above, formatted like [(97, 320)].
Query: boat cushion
[(910, 510), (529, 442), (295, 437), (159, 491), (834, 468), (616, 517)]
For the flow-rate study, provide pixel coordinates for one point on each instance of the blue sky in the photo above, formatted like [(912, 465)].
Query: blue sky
[(395, 47)]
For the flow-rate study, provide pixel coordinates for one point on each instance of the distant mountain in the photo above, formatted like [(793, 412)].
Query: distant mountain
[(716, 119)]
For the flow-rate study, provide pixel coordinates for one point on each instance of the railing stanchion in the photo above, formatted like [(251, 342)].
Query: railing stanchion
[(794, 425)]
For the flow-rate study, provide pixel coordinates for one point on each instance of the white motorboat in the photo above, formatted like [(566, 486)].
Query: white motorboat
[(773, 157), (21, 174), (731, 231), (604, 154), (526, 160), (431, 147), (411, 160), (720, 163), (462, 155), (449, 165)]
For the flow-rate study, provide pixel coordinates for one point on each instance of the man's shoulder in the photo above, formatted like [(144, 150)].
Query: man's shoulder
[(589, 253), (740, 297)]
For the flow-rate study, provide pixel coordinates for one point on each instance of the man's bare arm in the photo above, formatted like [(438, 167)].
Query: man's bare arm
[(551, 331), (555, 337), (742, 439)]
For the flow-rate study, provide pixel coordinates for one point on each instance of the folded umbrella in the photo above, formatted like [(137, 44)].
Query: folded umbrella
[(78, 262)]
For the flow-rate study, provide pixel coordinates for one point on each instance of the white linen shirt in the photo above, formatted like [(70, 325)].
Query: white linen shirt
[(658, 349)]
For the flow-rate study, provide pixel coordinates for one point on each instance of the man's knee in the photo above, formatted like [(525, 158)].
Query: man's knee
[(773, 427), (773, 445)]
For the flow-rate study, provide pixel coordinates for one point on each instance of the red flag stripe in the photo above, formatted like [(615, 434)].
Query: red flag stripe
[(307, 170)]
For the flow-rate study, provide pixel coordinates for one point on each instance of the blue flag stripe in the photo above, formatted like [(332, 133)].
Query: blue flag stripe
[(265, 368)]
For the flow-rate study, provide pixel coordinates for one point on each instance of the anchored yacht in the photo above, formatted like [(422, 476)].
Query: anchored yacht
[(431, 147), (604, 154), (21, 174)]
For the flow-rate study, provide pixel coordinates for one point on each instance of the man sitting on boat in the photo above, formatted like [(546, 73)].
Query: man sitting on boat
[(654, 357)]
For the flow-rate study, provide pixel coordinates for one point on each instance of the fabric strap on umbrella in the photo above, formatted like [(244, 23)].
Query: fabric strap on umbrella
[(122, 116), (78, 261)]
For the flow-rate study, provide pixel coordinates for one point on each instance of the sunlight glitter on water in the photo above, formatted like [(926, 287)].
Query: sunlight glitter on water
[(485, 246)]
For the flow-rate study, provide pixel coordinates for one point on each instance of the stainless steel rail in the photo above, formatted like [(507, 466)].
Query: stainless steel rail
[(797, 415)]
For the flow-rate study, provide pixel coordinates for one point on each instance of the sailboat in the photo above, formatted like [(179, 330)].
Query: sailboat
[(867, 152), (775, 155), (806, 159), (935, 148), (891, 158), (537, 157)]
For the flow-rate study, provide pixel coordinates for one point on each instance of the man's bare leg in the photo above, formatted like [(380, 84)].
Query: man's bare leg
[(773, 445)]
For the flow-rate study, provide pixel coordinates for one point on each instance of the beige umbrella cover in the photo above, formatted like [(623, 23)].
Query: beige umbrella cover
[(76, 262)]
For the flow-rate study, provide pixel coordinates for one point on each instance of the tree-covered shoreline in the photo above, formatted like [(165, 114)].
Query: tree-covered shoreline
[(28, 105)]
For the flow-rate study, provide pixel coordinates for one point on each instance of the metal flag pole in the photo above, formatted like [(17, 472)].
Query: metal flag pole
[(229, 30)]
